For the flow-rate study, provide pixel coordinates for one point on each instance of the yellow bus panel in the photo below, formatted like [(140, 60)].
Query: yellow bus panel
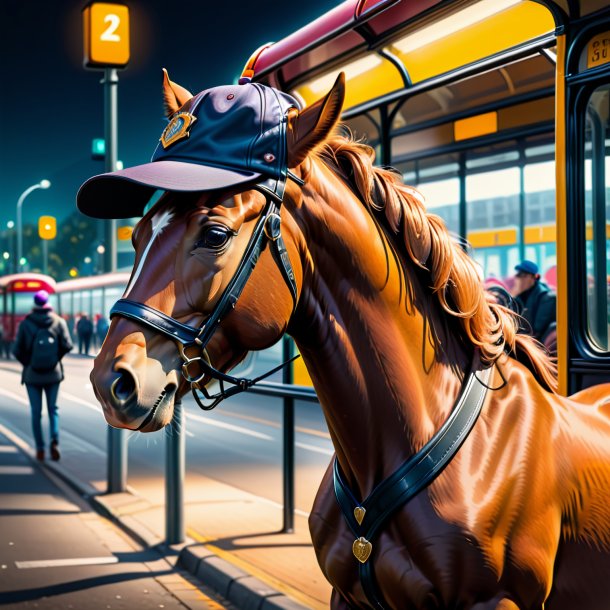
[(475, 126), (488, 239), (505, 29), (598, 50), (300, 374)]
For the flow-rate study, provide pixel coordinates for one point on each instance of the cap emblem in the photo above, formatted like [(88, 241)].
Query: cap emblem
[(177, 129)]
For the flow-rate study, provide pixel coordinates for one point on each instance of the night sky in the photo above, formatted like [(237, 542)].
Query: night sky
[(52, 108)]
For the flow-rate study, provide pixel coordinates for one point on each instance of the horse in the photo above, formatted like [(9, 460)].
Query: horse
[(389, 313)]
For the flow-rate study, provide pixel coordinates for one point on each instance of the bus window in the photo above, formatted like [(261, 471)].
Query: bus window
[(493, 219), (437, 179), (113, 294), (24, 301), (539, 233), (443, 198), (597, 215), (96, 302)]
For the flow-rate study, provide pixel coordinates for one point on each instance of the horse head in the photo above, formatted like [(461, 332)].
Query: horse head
[(214, 275)]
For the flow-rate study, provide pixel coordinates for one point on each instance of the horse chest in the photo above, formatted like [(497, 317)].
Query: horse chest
[(419, 560)]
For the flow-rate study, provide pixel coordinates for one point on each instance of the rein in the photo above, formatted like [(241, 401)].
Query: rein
[(267, 230)]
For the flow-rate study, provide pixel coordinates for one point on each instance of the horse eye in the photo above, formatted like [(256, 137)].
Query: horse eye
[(215, 237)]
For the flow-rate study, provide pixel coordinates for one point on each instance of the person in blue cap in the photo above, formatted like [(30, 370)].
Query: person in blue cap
[(42, 341), (537, 301)]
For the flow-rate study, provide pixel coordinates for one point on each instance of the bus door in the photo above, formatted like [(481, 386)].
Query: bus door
[(588, 201)]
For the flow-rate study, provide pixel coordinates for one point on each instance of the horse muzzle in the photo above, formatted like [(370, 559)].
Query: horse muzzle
[(137, 398)]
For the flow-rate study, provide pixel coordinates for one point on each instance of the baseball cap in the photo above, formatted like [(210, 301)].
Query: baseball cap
[(41, 298), (223, 136), (527, 267)]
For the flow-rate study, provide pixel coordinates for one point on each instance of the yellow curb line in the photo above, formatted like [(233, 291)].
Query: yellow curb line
[(274, 583)]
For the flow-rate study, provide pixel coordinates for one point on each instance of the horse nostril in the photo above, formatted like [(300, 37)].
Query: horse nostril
[(123, 388)]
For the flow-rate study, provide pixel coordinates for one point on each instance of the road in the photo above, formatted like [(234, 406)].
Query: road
[(239, 443)]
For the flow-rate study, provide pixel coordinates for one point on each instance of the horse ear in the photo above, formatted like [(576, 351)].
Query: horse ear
[(174, 96), (312, 126)]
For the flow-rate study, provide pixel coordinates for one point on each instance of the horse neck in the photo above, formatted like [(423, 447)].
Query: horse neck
[(382, 394)]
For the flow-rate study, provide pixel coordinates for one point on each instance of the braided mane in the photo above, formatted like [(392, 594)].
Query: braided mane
[(449, 272)]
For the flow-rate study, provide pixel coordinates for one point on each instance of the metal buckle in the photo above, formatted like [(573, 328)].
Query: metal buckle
[(187, 361), (272, 226)]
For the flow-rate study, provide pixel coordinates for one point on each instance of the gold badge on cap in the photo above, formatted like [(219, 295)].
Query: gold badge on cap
[(177, 128)]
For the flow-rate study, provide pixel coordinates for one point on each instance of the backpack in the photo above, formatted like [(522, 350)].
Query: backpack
[(45, 351)]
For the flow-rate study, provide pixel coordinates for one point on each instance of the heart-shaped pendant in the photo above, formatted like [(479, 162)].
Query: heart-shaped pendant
[(359, 514), (362, 549)]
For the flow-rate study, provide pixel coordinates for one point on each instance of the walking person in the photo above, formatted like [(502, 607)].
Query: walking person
[(101, 329), (84, 330), (42, 341)]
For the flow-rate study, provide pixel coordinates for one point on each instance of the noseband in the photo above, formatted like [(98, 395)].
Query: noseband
[(267, 230)]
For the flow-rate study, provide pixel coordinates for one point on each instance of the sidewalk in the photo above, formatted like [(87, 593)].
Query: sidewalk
[(235, 540), (56, 553), (234, 547)]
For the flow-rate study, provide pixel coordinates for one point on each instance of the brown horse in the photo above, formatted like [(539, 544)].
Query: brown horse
[(389, 313)]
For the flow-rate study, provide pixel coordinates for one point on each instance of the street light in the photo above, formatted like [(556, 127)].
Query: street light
[(11, 245), (43, 184)]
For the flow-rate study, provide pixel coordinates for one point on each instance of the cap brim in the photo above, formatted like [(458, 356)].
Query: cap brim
[(124, 193)]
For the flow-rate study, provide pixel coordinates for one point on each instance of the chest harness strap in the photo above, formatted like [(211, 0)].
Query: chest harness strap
[(367, 517)]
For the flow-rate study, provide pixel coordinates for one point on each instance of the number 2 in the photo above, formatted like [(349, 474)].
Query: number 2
[(109, 34)]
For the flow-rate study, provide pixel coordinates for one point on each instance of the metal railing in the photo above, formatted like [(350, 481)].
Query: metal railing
[(175, 453)]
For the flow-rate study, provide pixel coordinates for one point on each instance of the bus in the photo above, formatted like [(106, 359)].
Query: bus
[(93, 295), (498, 112), (17, 294)]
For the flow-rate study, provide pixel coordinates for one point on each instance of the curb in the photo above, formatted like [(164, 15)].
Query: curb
[(233, 584), (236, 586)]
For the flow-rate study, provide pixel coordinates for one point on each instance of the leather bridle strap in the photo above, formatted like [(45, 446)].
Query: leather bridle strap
[(155, 320), (367, 517), (267, 229)]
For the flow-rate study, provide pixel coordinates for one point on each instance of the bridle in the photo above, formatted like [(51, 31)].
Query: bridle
[(266, 231)]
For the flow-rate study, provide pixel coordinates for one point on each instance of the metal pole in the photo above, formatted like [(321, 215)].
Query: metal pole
[(117, 460), (111, 86), (45, 256), (463, 212), (288, 438), (521, 202), (117, 439), (19, 224), (174, 478)]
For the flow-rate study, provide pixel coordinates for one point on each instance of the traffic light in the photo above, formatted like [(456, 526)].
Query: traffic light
[(47, 227), (124, 233), (98, 149)]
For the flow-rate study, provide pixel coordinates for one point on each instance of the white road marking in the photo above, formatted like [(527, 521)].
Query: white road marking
[(9, 394), (199, 418), (80, 401), (16, 470), (159, 222), (8, 449), (62, 563), (315, 448), (225, 426), (14, 438)]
